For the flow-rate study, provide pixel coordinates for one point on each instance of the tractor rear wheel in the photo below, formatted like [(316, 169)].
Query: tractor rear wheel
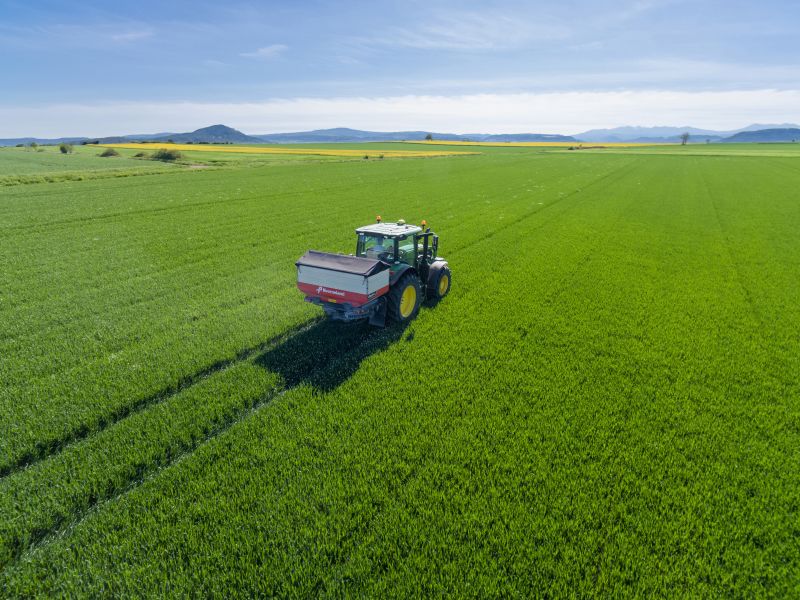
[(440, 286), (404, 299)]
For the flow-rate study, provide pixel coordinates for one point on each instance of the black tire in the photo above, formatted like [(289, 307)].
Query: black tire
[(397, 311), (440, 284)]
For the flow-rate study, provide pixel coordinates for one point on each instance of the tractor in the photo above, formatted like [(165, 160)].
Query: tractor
[(394, 269)]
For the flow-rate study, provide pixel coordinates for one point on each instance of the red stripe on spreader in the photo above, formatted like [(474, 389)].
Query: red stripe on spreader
[(340, 296)]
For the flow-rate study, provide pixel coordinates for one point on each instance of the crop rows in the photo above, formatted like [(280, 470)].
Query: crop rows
[(603, 405), (136, 313)]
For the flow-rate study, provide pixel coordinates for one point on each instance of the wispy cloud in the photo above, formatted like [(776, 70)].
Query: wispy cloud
[(77, 35), (638, 7), (470, 31), (130, 36), (266, 52)]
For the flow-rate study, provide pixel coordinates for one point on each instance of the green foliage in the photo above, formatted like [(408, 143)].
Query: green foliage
[(166, 154), (603, 406), (49, 166), (65, 148), (108, 152)]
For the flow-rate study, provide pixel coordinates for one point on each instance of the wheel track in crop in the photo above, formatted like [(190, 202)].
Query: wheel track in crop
[(775, 360), (619, 172), (42, 537), (42, 451), (374, 341)]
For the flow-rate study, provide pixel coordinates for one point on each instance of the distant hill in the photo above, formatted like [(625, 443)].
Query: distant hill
[(667, 133), (676, 139), (521, 137), (761, 127), (766, 135), (213, 134), (344, 134), (631, 134)]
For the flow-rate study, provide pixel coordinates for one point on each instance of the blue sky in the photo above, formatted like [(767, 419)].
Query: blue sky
[(100, 68)]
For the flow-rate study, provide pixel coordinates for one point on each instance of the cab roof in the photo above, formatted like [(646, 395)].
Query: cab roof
[(391, 230)]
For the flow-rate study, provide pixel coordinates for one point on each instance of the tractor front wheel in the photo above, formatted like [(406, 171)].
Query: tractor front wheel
[(404, 299)]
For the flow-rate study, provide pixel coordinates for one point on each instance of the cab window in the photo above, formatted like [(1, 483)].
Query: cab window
[(377, 247), (407, 250)]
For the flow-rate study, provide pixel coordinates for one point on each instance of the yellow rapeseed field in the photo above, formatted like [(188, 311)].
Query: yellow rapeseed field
[(372, 153), (537, 144)]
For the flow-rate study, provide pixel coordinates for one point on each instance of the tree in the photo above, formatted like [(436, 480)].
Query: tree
[(429, 137), (65, 148), (684, 138), (34, 145)]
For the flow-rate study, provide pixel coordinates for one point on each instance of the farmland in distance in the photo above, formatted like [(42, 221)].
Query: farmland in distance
[(606, 403)]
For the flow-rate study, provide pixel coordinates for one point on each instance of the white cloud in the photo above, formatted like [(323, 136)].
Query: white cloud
[(267, 52), (561, 112)]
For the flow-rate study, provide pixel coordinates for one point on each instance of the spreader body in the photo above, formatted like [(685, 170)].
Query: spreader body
[(346, 286)]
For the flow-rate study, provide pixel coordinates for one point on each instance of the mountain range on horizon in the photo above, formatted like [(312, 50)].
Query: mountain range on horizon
[(628, 133), (784, 132)]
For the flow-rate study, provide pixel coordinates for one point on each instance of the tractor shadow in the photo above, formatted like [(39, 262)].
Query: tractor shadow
[(327, 354)]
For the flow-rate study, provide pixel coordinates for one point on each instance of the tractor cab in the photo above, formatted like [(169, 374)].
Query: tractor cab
[(398, 243), (389, 242)]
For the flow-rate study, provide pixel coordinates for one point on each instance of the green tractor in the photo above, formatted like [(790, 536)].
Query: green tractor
[(394, 269)]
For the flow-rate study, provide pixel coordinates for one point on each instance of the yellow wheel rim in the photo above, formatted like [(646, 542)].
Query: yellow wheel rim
[(408, 301), (444, 281)]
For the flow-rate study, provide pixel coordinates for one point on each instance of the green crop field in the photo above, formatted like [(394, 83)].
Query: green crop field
[(605, 404), (48, 165), (20, 166)]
